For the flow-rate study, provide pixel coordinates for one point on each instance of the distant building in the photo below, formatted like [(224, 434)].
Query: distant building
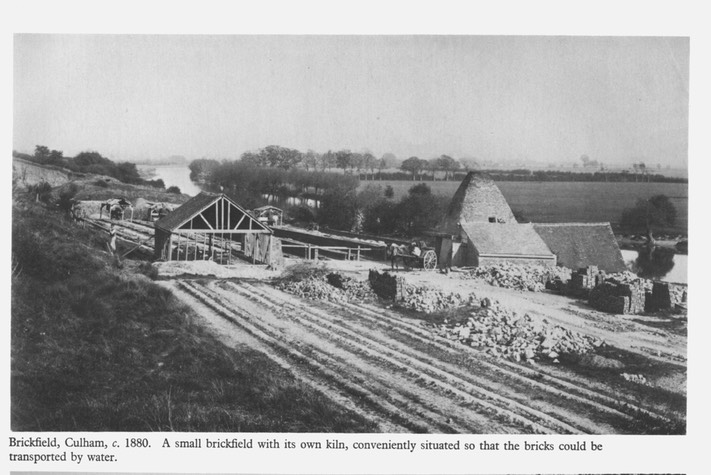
[(579, 245), (480, 228)]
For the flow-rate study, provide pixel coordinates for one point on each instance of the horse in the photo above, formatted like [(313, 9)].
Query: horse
[(395, 253)]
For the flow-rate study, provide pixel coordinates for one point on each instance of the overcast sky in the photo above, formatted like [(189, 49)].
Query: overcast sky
[(546, 99)]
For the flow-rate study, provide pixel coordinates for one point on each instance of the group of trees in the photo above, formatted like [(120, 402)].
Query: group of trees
[(363, 163), (89, 162), (649, 215), (418, 167), (252, 185)]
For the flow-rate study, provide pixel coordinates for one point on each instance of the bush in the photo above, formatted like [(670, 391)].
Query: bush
[(101, 183), (173, 189)]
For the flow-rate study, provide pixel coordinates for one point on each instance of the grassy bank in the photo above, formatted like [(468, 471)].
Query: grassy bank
[(97, 348)]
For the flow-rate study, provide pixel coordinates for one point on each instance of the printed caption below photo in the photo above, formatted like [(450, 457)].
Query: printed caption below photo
[(83, 450)]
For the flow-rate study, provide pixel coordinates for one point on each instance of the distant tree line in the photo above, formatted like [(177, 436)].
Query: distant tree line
[(337, 203), (89, 162)]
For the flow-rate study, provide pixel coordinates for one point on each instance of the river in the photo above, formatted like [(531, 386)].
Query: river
[(172, 175), (663, 265)]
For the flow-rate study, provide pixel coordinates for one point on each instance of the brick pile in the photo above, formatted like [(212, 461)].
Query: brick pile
[(515, 276), (385, 285), (503, 333), (332, 287)]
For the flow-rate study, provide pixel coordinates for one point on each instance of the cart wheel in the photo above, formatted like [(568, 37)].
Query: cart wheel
[(429, 260)]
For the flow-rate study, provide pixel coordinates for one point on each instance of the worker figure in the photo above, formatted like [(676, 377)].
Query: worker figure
[(112, 239), (415, 249)]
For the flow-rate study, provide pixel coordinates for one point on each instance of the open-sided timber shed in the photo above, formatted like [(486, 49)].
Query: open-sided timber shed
[(213, 227)]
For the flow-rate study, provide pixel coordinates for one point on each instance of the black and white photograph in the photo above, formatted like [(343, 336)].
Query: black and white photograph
[(422, 234)]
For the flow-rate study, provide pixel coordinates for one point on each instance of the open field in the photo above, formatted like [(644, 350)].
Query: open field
[(558, 202)]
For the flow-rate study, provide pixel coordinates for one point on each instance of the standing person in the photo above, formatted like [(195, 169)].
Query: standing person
[(112, 239)]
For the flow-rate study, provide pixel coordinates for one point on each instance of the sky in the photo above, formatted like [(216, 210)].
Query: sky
[(617, 100)]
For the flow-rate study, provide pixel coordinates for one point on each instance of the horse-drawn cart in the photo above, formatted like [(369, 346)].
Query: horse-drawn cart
[(427, 259)]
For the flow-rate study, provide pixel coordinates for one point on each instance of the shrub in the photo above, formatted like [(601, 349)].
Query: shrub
[(173, 189)]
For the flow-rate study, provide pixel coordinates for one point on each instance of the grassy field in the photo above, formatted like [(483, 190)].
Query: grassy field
[(96, 347), (557, 202)]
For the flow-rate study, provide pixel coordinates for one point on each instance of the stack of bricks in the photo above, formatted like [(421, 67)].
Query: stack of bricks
[(386, 286), (605, 297), (615, 297), (584, 280), (665, 296)]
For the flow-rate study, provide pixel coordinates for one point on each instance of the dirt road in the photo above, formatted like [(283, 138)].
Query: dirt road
[(397, 373)]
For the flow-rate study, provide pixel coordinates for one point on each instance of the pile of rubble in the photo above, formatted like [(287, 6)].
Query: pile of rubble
[(520, 277), (423, 299), (505, 334), (332, 287)]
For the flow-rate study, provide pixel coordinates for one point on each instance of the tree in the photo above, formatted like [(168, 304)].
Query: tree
[(56, 156), (382, 165), (413, 165), (657, 211), (344, 159), (310, 160), (42, 153), (448, 164), (370, 163), (390, 160), (173, 189)]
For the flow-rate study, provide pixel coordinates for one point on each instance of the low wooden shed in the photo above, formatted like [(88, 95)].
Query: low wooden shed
[(214, 227)]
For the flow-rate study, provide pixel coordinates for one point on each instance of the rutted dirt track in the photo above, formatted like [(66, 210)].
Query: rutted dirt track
[(398, 374)]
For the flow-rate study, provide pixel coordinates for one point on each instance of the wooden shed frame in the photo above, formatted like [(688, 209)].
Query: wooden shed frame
[(206, 223)]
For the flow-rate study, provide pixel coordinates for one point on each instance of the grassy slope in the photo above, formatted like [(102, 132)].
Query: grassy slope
[(97, 348)]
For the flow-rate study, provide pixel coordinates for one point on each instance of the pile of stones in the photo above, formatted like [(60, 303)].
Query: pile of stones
[(332, 287), (503, 333), (520, 277), (423, 299)]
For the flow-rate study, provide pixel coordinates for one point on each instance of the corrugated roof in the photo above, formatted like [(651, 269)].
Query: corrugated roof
[(506, 239), (476, 200), (194, 206), (579, 245)]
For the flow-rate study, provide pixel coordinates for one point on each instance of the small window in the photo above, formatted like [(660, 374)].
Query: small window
[(492, 219)]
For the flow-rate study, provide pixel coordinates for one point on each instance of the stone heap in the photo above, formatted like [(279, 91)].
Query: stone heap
[(332, 287), (515, 276), (503, 333), (423, 299)]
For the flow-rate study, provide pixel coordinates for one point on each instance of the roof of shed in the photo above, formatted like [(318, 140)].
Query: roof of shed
[(506, 239), (194, 206), (476, 200), (580, 245)]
